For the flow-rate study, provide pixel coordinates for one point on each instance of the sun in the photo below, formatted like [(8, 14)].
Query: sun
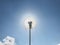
[(27, 19)]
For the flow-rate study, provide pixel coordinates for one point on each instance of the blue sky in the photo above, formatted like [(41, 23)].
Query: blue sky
[(47, 31)]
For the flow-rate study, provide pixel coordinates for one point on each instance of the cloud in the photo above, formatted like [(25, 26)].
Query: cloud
[(58, 44), (1, 43), (8, 41)]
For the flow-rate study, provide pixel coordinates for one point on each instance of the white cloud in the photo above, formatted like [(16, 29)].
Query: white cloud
[(8, 41), (1, 43), (58, 44)]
